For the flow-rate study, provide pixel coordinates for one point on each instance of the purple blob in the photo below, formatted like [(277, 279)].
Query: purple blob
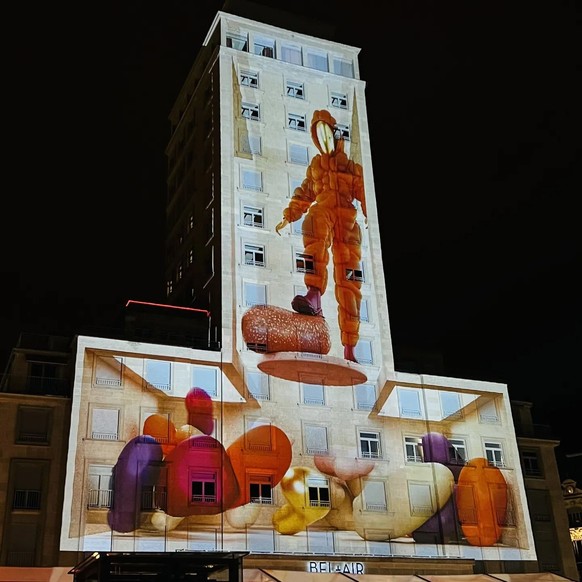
[(442, 528), (140, 456), (437, 449)]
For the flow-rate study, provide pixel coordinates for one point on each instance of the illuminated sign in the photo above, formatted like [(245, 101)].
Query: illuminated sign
[(330, 567)]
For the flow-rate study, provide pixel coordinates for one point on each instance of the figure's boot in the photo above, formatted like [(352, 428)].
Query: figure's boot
[(308, 304), (349, 354)]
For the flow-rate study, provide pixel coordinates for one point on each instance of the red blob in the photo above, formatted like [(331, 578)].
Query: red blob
[(199, 406)]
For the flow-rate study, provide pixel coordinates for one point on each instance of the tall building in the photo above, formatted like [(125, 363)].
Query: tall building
[(281, 430)]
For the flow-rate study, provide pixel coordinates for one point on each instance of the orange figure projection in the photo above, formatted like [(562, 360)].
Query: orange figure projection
[(326, 197)]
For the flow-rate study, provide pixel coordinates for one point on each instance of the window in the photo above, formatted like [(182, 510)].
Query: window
[(203, 486), (420, 498), (304, 263), (260, 489), (413, 449), (298, 154), (409, 403), (258, 385), (488, 412), (153, 490), (457, 451), (316, 60), (255, 294), (451, 405), (375, 496), (264, 47), (100, 486), (239, 42), (250, 111), (190, 258), (364, 313), (494, 454), (297, 226), (258, 440), (343, 67), (342, 131), (254, 255), (33, 425), (355, 274), (296, 121), (363, 351), (250, 144), (205, 378), (370, 446), (318, 492), (108, 371), (291, 54), (531, 464), (365, 396), (339, 100), (294, 89), (43, 377), (251, 179), (105, 424), (313, 394), (249, 79), (315, 439), (253, 216), (159, 374)]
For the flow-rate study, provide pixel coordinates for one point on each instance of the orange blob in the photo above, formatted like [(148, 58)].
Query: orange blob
[(162, 429)]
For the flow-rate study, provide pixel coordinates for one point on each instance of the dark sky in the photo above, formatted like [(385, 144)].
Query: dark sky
[(474, 115)]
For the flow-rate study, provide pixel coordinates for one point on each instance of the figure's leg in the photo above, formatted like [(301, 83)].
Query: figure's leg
[(347, 255), (316, 241)]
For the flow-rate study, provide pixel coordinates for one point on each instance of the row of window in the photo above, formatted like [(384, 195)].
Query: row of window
[(292, 53)]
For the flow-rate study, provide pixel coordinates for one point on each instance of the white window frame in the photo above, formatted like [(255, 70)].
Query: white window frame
[(374, 495), (313, 394), (293, 51), (160, 381), (251, 213), (494, 453), (423, 491), (364, 351), (100, 486), (365, 396), (251, 179), (342, 131), (413, 451), (258, 385), (458, 454), (310, 439), (249, 79), (254, 251), (369, 443), (294, 89), (264, 47), (446, 410), (108, 420), (298, 154), (250, 111), (404, 408), (297, 122), (263, 486), (342, 66), (315, 486), (339, 100), (318, 60), (254, 293), (304, 263), (239, 42), (356, 274)]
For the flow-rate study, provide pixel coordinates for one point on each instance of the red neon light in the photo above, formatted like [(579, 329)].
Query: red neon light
[(168, 306)]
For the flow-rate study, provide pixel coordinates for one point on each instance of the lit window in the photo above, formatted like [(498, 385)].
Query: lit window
[(457, 451), (494, 454), (374, 494), (203, 488), (451, 405), (249, 79), (153, 488), (205, 378), (298, 154), (258, 385), (254, 255), (370, 447), (316, 60), (291, 54), (294, 89), (253, 216), (237, 41), (295, 121), (304, 263), (343, 67), (315, 439), (264, 47), (409, 403), (158, 374), (250, 111), (355, 274), (318, 491), (339, 100), (255, 294), (251, 179), (313, 394), (105, 424), (342, 131), (365, 396), (413, 448)]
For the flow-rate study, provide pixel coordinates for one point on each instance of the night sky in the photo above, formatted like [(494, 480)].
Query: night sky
[(474, 114)]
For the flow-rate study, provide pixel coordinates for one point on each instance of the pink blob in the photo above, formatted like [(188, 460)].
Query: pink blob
[(199, 406)]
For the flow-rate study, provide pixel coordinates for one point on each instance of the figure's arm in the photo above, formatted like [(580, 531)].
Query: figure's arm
[(303, 197)]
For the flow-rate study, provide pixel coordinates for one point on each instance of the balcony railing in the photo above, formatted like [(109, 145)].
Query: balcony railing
[(100, 498)]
